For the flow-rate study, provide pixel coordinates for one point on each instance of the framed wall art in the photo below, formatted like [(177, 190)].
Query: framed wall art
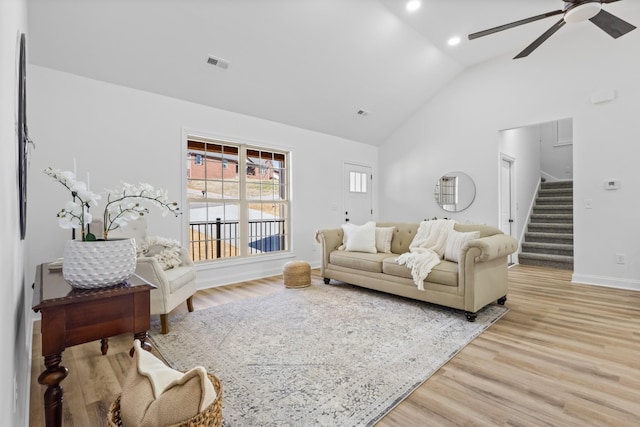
[(23, 136)]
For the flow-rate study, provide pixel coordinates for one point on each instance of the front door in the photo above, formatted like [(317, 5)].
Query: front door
[(357, 193)]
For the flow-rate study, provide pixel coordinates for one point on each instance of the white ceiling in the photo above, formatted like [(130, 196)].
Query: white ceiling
[(306, 63)]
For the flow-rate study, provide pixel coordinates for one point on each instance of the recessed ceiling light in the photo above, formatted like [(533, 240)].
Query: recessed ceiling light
[(413, 5), (453, 41)]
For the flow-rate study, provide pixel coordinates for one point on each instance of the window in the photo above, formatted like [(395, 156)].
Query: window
[(234, 214), (357, 182)]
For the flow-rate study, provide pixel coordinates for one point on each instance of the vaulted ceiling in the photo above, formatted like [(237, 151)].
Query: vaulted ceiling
[(308, 63)]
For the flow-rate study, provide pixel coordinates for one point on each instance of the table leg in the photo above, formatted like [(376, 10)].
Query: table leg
[(142, 336), (52, 377), (104, 345)]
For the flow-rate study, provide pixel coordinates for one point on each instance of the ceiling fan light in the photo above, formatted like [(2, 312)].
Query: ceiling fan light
[(582, 12)]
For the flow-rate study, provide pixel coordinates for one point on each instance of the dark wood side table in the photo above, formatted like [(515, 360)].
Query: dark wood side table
[(71, 317)]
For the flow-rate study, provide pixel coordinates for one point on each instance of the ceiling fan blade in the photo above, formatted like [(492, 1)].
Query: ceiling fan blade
[(514, 24), (537, 42), (611, 24)]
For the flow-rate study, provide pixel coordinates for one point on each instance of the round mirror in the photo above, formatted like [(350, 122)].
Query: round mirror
[(455, 191)]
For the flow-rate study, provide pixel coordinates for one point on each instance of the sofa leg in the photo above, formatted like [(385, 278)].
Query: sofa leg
[(190, 303), (502, 300), (326, 281), (164, 323), (471, 317)]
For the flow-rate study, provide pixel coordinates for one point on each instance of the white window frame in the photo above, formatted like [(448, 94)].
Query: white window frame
[(243, 146)]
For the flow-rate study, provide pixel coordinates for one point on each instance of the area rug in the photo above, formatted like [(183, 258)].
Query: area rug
[(325, 355)]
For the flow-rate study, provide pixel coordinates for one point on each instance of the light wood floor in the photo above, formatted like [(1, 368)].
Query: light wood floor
[(564, 355)]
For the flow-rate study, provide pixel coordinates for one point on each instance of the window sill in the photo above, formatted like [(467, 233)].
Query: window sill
[(230, 262)]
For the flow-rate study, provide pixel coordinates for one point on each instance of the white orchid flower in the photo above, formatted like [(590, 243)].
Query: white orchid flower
[(66, 222), (73, 207), (122, 205), (68, 176), (78, 186)]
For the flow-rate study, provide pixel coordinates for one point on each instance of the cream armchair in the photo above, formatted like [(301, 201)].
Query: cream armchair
[(174, 286)]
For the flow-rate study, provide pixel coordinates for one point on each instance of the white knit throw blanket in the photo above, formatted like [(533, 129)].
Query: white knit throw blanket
[(426, 249)]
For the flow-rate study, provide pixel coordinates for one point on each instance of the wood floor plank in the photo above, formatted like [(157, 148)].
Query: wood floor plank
[(565, 355)]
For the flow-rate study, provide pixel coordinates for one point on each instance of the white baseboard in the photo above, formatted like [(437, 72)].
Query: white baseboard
[(609, 282), (212, 278)]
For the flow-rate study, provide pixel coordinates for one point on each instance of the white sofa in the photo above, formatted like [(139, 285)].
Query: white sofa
[(479, 279)]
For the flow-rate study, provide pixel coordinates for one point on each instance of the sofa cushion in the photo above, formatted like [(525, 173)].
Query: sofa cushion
[(456, 242), (445, 273), (359, 260)]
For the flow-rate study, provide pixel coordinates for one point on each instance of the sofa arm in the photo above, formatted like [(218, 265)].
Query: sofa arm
[(492, 247), (330, 240)]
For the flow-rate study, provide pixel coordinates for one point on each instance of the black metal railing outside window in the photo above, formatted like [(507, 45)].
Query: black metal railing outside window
[(221, 239)]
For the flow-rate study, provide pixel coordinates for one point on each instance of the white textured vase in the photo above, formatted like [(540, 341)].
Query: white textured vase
[(98, 264)]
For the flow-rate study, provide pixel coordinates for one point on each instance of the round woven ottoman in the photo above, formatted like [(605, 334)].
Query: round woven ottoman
[(297, 274)]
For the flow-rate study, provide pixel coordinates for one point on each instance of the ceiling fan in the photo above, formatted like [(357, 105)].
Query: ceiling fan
[(572, 11)]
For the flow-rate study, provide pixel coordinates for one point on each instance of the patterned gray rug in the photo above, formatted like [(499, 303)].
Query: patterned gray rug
[(325, 355)]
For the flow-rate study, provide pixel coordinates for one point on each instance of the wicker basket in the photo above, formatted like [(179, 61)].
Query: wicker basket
[(297, 274), (210, 417)]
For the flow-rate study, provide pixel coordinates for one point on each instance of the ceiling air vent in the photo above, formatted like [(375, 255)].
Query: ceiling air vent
[(218, 62)]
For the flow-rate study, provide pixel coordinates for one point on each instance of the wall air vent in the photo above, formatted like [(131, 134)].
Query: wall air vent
[(218, 62)]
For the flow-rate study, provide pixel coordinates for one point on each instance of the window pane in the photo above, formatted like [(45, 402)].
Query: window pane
[(196, 188), (213, 231), (264, 170), (267, 227), (230, 190), (357, 182)]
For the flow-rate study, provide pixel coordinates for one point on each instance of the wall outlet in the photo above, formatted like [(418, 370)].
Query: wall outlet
[(620, 259)]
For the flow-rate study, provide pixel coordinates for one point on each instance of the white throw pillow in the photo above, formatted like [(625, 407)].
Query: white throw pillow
[(456, 242), (360, 238), (346, 228), (383, 239)]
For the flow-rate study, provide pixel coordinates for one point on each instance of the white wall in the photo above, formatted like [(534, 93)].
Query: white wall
[(459, 130), (523, 146), (120, 134), (15, 292), (556, 161)]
